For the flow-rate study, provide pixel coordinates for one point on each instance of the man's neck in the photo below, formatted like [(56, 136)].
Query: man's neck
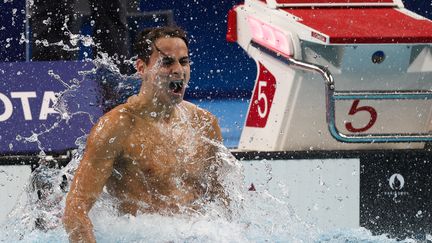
[(152, 110), (162, 112)]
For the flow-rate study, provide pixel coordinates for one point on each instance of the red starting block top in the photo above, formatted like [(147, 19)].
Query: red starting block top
[(364, 25), (331, 3), (309, 2)]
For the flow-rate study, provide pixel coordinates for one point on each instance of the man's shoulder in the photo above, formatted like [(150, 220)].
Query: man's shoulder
[(119, 119), (119, 113), (205, 120)]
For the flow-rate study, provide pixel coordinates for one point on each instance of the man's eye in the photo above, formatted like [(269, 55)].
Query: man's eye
[(167, 61), (184, 62)]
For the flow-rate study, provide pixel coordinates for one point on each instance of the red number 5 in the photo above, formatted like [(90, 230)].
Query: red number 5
[(354, 109)]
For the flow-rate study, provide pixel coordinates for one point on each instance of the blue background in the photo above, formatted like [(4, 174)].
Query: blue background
[(219, 70), (222, 74)]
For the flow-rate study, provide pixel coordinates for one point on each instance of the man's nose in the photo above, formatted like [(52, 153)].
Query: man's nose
[(177, 69)]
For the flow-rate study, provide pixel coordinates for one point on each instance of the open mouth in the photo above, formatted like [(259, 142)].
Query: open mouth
[(176, 86)]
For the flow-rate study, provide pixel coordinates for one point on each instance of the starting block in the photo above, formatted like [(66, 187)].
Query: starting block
[(335, 74)]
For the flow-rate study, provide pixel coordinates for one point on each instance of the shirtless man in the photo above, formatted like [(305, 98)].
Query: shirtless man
[(156, 153)]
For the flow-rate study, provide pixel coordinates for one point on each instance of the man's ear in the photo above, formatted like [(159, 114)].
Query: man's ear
[(140, 66)]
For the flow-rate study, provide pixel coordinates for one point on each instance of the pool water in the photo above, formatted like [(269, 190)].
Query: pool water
[(252, 217)]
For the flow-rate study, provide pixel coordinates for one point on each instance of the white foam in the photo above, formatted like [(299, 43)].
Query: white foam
[(252, 217)]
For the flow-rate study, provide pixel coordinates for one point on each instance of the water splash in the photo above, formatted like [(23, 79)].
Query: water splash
[(253, 217)]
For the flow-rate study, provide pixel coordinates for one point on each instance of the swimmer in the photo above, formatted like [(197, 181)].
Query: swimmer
[(156, 153)]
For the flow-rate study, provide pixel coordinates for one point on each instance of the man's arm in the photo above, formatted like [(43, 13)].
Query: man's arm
[(103, 146)]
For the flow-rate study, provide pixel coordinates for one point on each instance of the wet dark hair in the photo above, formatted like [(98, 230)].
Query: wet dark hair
[(144, 43)]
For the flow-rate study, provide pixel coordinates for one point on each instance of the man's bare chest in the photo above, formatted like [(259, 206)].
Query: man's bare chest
[(178, 149)]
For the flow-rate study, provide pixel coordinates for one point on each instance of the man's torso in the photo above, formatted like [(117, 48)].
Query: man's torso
[(164, 167)]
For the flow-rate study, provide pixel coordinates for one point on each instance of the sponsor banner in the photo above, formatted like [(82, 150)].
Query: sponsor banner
[(396, 193), (45, 105)]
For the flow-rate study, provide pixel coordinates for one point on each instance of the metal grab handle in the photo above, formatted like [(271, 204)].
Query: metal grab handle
[(332, 96)]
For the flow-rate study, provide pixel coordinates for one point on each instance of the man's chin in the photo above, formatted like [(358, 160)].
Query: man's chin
[(177, 97), (175, 100)]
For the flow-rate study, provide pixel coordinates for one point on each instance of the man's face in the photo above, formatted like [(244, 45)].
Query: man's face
[(167, 72)]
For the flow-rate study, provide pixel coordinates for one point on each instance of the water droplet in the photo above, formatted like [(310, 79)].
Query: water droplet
[(112, 140), (153, 114)]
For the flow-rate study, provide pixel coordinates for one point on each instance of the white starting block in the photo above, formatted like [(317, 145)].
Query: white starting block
[(335, 74)]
